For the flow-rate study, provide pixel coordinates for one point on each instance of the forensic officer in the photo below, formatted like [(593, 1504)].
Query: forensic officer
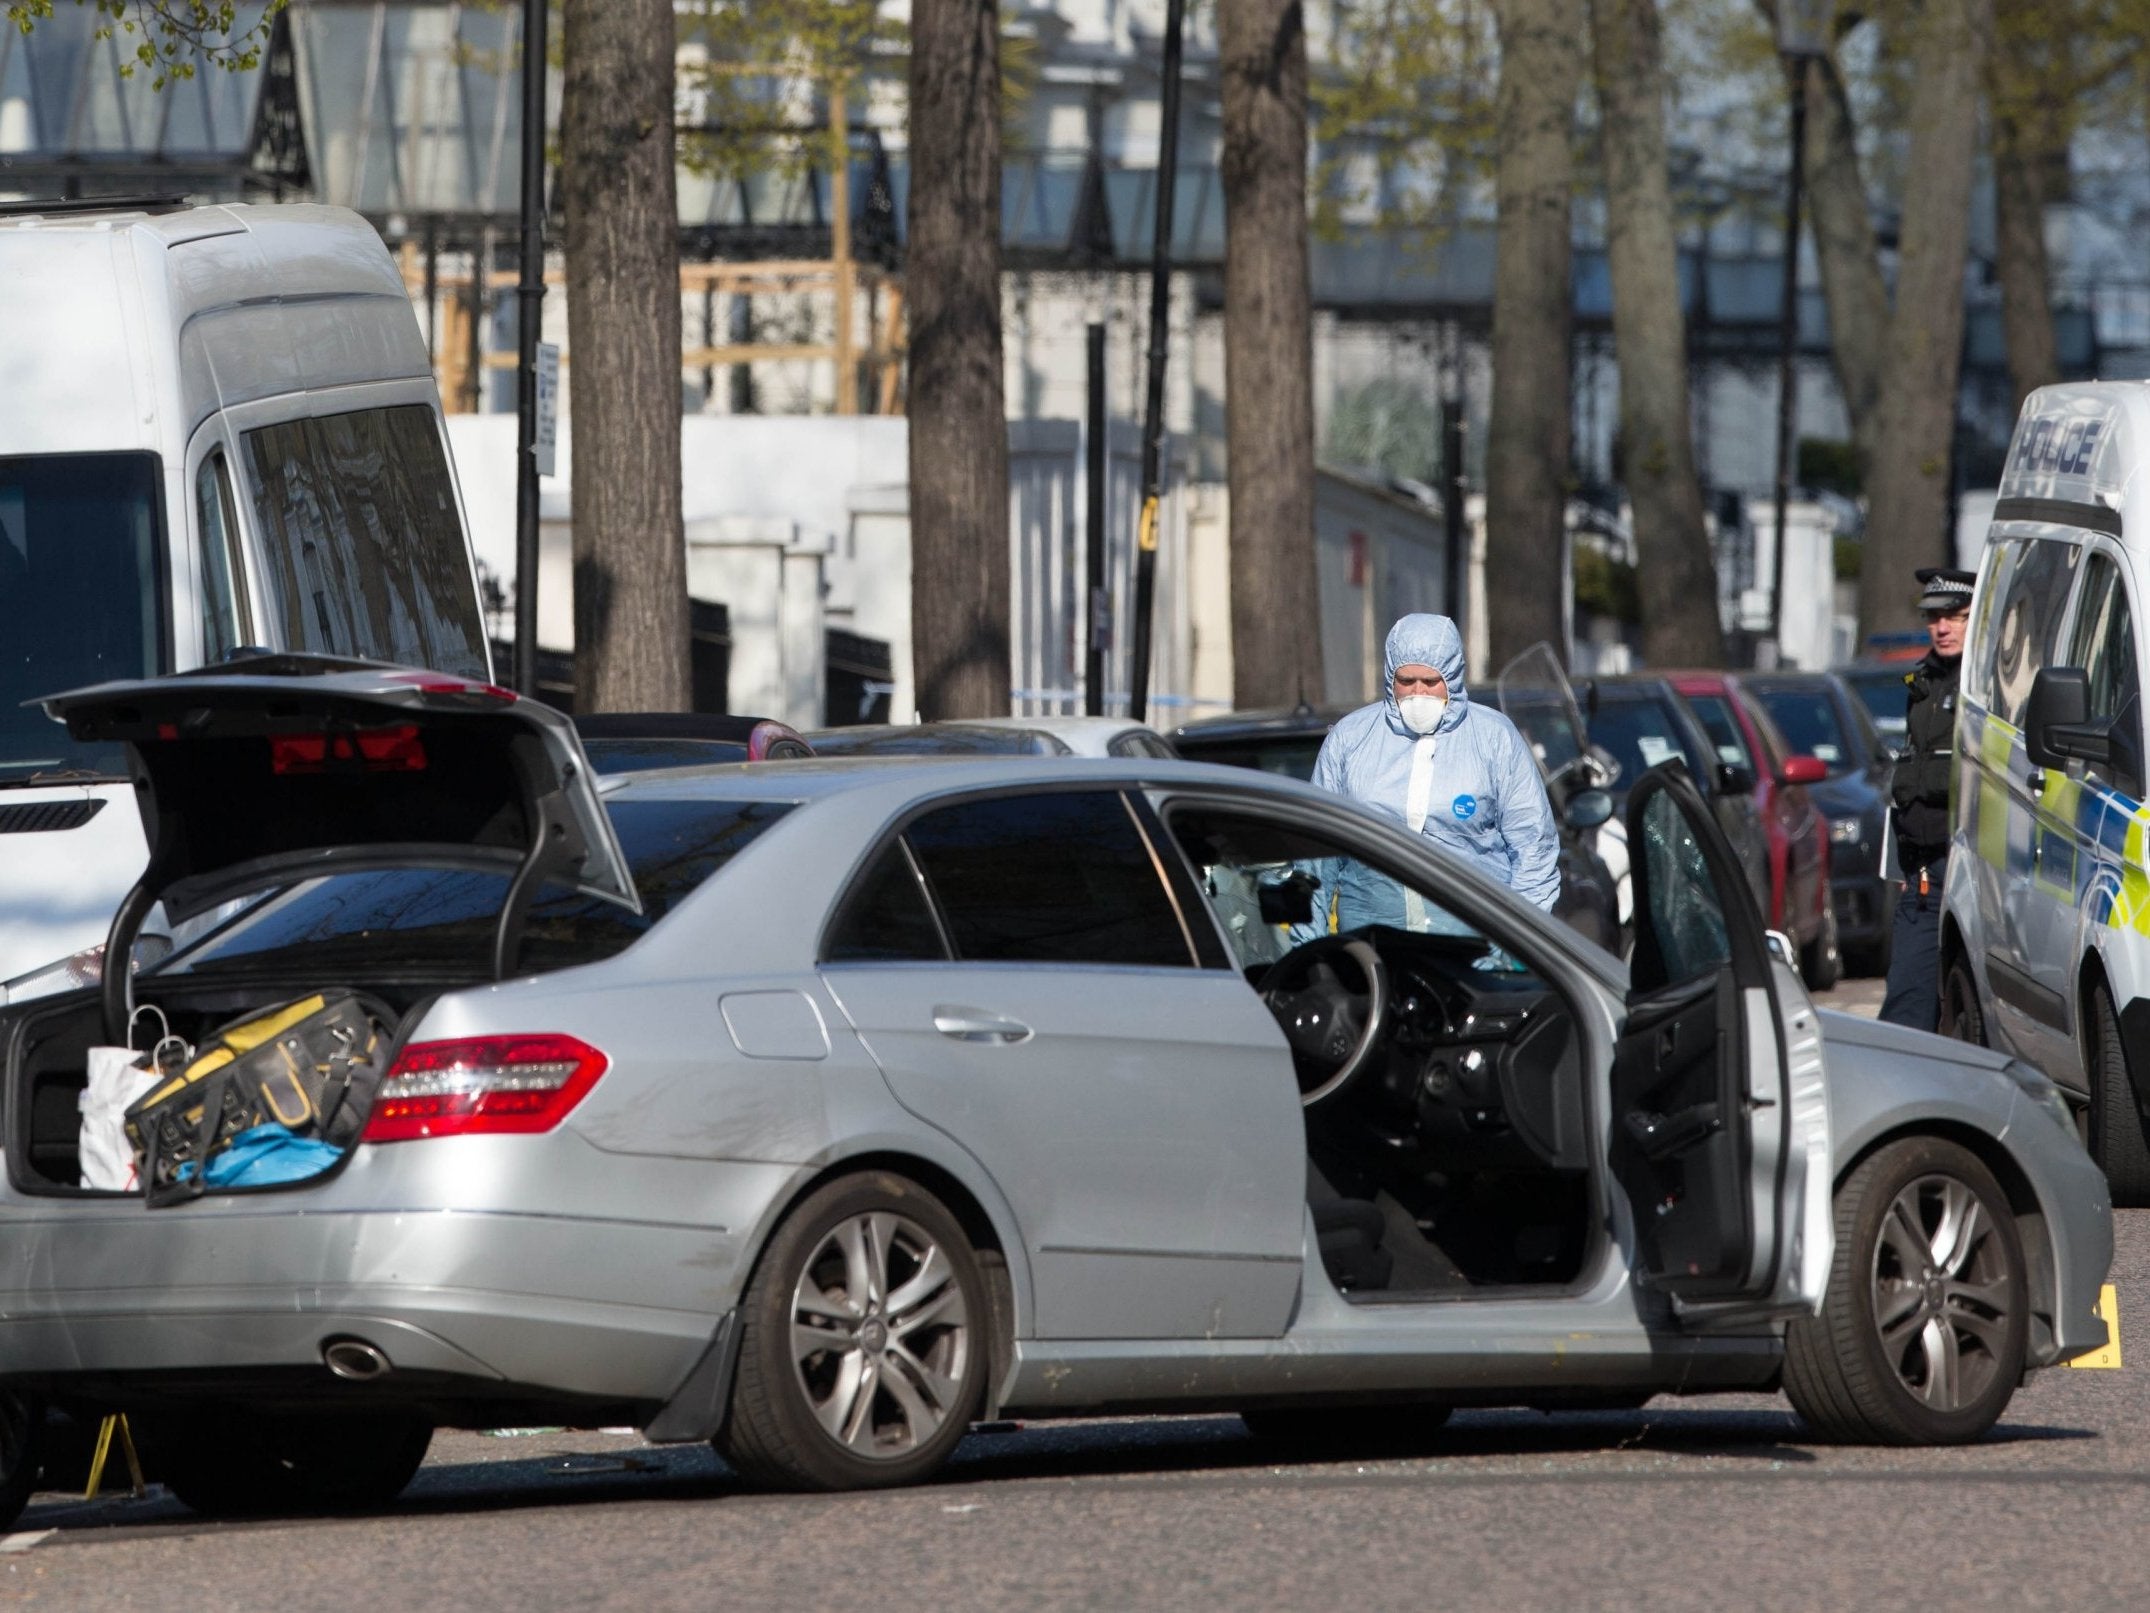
[(1460, 774), (1920, 818)]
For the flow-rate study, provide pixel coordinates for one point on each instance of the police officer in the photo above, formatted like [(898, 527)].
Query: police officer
[(1921, 800)]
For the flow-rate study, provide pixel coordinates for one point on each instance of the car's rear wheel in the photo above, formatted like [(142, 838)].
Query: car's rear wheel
[(22, 1451), (2115, 1119), (863, 1357), (1962, 1015), (1921, 1337), (240, 1465), (1821, 961), (1347, 1430)]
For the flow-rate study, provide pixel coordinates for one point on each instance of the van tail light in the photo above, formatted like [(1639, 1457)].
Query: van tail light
[(482, 1084)]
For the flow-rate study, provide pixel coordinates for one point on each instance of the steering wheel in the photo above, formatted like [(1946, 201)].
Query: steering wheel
[(1332, 1029)]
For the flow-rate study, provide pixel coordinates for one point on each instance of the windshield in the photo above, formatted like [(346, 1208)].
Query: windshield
[(1812, 725), (430, 918), (1536, 696), (1642, 733), (80, 592), (1883, 693), (1714, 712)]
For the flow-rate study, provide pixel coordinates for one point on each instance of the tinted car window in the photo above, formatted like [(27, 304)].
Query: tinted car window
[(1641, 733), (1057, 878), (362, 545), (650, 755), (887, 918), (1684, 912), (80, 588), (424, 917), (223, 577)]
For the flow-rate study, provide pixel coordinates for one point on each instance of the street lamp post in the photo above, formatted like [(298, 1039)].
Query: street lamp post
[(529, 315), (1803, 32)]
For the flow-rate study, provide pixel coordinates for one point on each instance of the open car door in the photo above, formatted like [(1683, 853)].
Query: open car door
[(1720, 1130)]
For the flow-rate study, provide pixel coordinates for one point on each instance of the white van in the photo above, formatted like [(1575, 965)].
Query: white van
[(2046, 917), (218, 429)]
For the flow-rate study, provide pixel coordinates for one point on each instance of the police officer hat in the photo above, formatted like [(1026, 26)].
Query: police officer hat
[(1946, 588)]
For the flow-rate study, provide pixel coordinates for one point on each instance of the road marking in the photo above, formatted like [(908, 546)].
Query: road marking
[(23, 1541), (2109, 1309)]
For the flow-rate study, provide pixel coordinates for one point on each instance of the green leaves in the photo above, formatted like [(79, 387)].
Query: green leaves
[(173, 38)]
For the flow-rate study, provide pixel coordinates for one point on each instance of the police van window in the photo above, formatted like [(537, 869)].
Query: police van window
[(223, 574), (2104, 647), (362, 546), (2026, 622)]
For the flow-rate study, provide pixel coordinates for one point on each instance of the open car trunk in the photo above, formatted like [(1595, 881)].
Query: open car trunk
[(262, 775)]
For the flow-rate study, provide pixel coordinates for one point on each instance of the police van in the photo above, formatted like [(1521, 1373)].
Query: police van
[(219, 430), (2046, 916)]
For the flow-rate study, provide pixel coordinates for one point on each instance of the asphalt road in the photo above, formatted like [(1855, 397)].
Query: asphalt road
[(1705, 1504)]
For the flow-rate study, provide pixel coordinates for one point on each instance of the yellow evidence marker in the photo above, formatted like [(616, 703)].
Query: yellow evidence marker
[(2108, 1355)]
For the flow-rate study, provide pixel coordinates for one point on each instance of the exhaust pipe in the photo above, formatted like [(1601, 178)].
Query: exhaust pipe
[(355, 1361)]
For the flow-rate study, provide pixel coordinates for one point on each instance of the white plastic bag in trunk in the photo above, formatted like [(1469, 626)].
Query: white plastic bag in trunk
[(118, 1077)]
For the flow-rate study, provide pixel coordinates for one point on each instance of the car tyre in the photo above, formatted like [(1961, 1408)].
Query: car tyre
[(1347, 1430), (2115, 1119), (22, 1451), (1963, 1016), (238, 1465), (878, 1266), (1922, 1332), (1821, 961)]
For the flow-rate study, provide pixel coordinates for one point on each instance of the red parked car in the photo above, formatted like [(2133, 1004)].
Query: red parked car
[(1745, 736)]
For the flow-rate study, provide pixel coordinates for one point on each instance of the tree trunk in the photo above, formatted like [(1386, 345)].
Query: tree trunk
[(959, 431), (1915, 423), (622, 241), (2020, 259), (1680, 625), (1844, 246), (1528, 430), (1268, 355)]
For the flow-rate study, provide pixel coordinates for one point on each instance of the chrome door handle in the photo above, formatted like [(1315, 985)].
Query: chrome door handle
[(975, 1025)]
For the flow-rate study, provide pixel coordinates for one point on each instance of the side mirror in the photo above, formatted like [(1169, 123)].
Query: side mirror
[(1804, 770), (1290, 900), (1735, 778), (1587, 809), (2057, 726)]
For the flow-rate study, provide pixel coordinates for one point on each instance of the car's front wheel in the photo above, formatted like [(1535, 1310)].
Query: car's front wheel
[(2115, 1127), (240, 1465), (863, 1356), (1921, 1337)]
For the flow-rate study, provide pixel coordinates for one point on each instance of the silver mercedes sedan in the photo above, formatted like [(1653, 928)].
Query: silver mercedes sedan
[(822, 1109)]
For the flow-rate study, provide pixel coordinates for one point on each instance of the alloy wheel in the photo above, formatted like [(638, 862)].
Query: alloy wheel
[(880, 1334), (1941, 1279)]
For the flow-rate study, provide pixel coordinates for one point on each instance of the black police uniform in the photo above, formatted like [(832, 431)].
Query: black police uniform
[(1920, 793)]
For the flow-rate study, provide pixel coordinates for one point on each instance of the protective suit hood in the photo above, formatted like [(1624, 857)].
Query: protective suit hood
[(1425, 640)]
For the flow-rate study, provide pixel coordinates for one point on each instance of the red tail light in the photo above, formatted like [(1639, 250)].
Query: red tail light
[(482, 1084)]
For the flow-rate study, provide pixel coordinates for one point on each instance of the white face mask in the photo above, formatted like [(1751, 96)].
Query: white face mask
[(1422, 713)]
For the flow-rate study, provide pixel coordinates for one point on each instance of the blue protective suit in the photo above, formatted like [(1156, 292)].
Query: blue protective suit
[(1472, 787)]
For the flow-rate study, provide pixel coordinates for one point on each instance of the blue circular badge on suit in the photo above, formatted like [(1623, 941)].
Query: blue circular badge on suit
[(1466, 807)]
